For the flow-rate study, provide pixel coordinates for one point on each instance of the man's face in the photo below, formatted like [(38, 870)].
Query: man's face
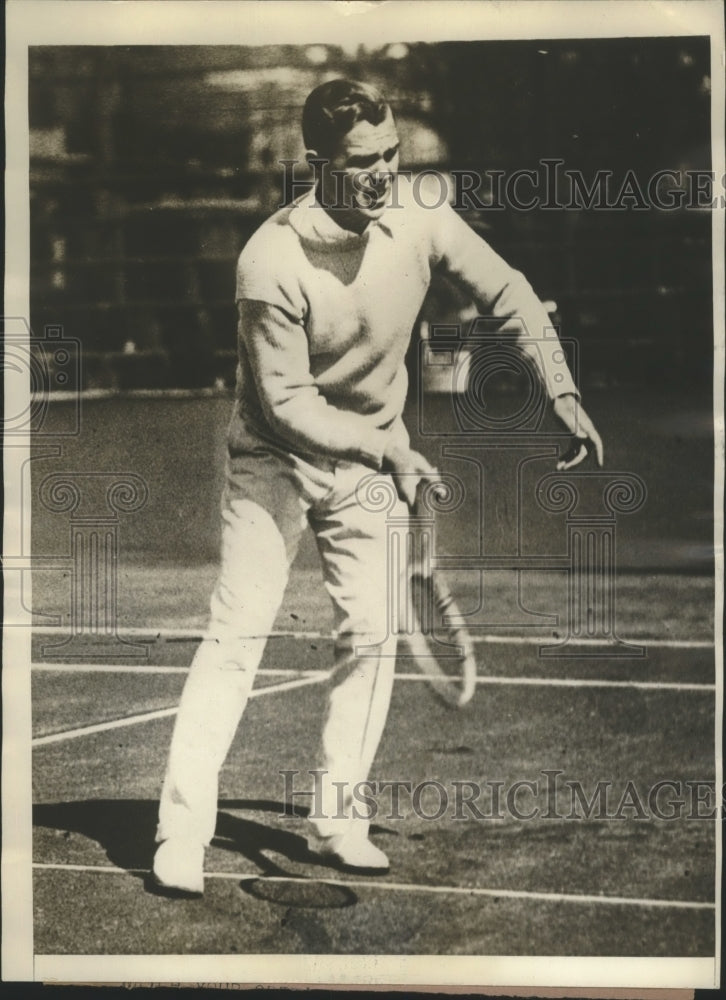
[(358, 178)]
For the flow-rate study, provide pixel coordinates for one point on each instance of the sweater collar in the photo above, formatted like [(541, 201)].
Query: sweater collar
[(313, 224)]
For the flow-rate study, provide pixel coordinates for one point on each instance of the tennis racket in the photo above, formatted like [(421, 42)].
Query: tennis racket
[(442, 650)]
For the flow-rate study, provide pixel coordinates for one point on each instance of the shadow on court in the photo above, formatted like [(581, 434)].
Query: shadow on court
[(300, 907), (125, 830)]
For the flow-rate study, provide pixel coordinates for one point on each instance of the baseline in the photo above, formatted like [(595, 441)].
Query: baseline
[(550, 897)]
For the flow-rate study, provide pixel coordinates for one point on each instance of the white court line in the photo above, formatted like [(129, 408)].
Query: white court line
[(102, 727), (456, 890), (66, 395), (570, 682), (548, 640), (149, 632), (130, 668), (163, 713), (522, 640), (82, 668)]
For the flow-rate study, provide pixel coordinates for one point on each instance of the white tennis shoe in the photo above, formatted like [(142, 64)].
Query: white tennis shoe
[(351, 851), (179, 866)]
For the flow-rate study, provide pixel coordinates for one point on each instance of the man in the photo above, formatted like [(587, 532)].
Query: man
[(328, 290)]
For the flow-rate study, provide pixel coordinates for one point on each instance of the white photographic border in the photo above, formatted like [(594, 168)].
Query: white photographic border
[(210, 22)]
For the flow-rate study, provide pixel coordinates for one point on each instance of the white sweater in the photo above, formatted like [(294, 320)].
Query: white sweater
[(325, 320)]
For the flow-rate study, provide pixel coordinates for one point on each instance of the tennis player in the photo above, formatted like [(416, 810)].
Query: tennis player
[(328, 291)]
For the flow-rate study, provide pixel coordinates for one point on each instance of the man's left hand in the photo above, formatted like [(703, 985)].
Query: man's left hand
[(408, 468), (570, 412)]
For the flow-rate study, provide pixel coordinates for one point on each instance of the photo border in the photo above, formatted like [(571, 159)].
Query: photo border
[(176, 22)]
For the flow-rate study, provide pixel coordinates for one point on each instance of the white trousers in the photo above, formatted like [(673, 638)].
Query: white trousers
[(269, 499)]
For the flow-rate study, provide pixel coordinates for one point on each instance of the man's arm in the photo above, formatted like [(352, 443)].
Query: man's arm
[(500, 291), (277, 348)]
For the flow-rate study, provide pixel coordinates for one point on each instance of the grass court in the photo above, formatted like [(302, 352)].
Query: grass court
[(498, 885)]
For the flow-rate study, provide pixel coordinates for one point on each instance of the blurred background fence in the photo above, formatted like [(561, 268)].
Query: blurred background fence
[(151, 166)]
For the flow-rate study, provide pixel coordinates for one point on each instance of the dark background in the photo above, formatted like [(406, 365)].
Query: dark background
[(151, 166)]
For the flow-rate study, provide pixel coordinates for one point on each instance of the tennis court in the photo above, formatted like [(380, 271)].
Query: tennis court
[(460, 882)]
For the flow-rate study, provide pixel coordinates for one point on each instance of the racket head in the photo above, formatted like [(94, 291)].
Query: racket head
[(442, 650)]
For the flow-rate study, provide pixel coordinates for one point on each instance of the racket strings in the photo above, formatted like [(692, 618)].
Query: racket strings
[(442, 650)]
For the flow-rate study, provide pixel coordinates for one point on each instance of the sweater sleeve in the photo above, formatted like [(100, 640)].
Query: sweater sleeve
[(500, 291), (277, 349)]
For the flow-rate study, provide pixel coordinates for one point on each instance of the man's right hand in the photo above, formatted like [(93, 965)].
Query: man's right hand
[(407, 468), (584, 436)]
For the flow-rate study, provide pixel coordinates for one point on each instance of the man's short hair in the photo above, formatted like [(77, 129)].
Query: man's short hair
[(332, 110)]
